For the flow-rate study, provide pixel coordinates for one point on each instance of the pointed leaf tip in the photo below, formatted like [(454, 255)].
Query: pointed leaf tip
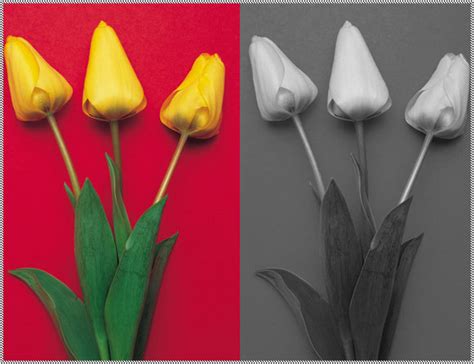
[(333, 185), (162, 253), (396, 216), (332, 190), (310, 310), (343, 257), (372, 295), (66, 309), (407, 257), (96, 258), (128, 291), (87, 184)]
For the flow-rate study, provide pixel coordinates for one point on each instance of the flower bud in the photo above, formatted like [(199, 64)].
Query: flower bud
[(36, 88), (195, 107), (440, 107), (357, 90), (282, 89), (112, 90)]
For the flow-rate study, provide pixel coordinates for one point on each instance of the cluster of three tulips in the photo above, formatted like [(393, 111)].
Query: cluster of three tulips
[(112, 91), (364, 290), (357, 92), (119, 271)]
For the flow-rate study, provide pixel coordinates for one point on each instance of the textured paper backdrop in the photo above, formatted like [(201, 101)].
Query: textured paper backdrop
[(198, 310)]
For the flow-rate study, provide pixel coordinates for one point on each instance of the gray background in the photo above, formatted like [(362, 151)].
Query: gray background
[(279, 216)]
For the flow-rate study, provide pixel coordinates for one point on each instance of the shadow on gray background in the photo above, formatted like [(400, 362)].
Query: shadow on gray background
[(279, 216)]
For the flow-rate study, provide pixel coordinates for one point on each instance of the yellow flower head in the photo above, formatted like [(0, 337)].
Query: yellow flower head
[(36, 88), (195, 107), (112, 90)]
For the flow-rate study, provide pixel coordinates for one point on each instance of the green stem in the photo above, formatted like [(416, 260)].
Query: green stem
[(65, 154), (320, 189), (171, 167), (416, 167), (114, 130), (359, 127)]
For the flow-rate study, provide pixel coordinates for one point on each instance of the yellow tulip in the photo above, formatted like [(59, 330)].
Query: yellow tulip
[(195, 107), (37, 89), (112, 90)]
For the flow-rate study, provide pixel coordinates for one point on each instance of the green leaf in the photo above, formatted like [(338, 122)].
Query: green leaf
[(369, 225), (67, 311), (162, 252), (407, 256), (312, 312), (96, 259), (344, 259), (122, 227), (127, 294), (373, 291), (70, 195)]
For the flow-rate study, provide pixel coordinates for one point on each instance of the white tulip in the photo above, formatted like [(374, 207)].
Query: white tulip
[(282, 89), (357, 90), (440, 107)]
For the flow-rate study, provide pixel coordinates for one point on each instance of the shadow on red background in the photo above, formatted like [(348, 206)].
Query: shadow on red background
[(198, 310)]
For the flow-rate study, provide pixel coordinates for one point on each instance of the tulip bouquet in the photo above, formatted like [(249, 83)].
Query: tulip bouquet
[(366, 269), (120, 269)]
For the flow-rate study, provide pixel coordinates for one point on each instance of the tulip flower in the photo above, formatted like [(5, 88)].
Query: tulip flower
[(194, 108), (357, 91), (439, 109), (283, 91), (112, 91), (38, 91)]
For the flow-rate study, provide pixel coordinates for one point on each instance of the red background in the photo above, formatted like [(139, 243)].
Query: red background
[(198, 309)]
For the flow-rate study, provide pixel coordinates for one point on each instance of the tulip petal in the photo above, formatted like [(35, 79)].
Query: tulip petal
[(111, 85), (58, 90), (180, 108), (211, 87), (336, 111), (441, 71), (90, 110), (380, 111), (356, 85), (295, 80), (424, 108), (286, 99), (456, 86), (22, 70), (268, 72), (196, 71)]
